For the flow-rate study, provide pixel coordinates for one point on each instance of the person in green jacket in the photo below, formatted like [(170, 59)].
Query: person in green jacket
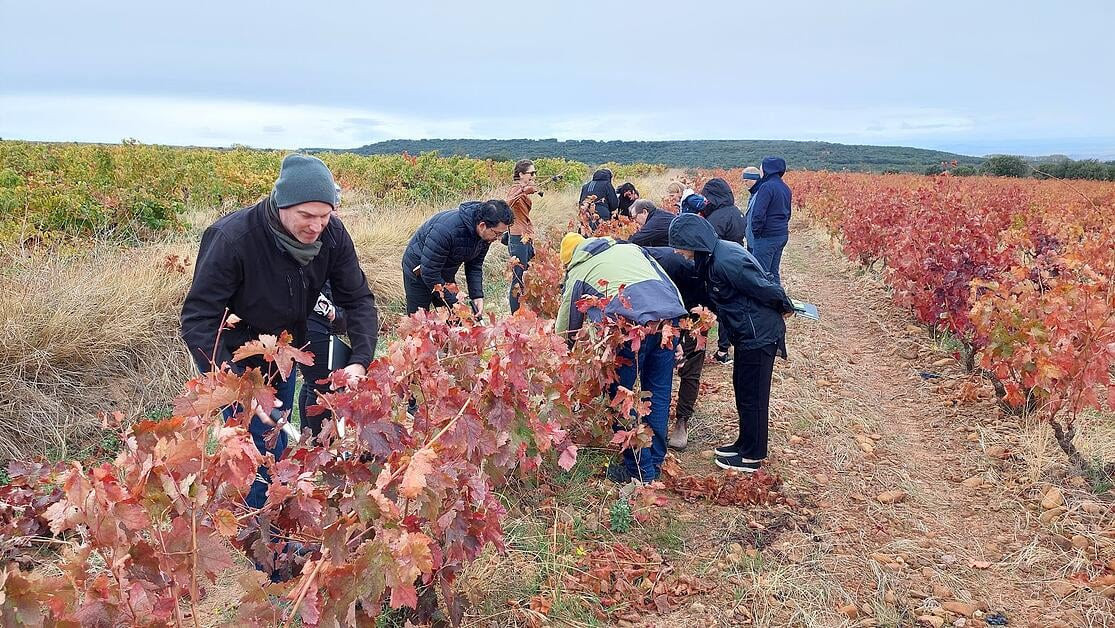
[(648, 296)]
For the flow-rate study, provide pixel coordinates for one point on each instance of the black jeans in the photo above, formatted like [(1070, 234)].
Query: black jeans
[(689, 375), (524, 251), (751, 375), (418, 295)]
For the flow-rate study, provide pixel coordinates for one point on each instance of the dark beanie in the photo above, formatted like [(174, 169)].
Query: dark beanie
[(303, 179)]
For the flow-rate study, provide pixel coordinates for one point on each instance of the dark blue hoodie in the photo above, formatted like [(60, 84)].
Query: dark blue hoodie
[(749, 305), (770, 209)]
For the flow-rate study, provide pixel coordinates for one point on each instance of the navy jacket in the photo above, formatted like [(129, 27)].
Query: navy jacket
[(749, 304), (444, 242), (607, 203), (722, 213), (770, 206), (656, 230), (242, 267), (684, 275)]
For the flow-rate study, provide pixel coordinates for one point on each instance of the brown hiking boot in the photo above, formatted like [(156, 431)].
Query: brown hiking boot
[(679, 435)]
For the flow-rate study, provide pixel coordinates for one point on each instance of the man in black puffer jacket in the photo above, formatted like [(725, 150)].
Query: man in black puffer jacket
[(446, 241), (722, 213), (654, 224), (607, 202), (750, 308)]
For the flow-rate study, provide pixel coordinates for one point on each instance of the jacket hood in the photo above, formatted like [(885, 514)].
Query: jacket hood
[(773, 166), (692, 233), (718, 193), (602, 175), (467, 211)]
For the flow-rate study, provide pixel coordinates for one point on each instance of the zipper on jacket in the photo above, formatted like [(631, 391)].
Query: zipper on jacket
[(754, 334)]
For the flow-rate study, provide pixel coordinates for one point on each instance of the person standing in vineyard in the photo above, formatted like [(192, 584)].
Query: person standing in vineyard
[(601, 267), (730, 225), (683, 273), (607, 203), (750, 308), (770, 216), (520, 244), (750, 177), (446, 241), (290, 239)]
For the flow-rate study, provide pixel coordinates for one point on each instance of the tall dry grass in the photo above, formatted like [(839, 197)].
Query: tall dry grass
[(85, 333), (96, 330)]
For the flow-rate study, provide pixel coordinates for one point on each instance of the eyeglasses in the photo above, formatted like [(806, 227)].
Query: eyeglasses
[(531, 172)]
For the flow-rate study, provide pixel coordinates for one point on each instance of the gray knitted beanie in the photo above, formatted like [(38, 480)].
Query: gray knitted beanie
[(302, 179)]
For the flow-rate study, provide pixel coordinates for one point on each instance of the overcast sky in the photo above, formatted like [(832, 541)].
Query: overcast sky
[(1031, 77)]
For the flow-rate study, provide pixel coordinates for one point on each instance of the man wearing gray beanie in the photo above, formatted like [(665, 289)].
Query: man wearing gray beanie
[(267, 265)]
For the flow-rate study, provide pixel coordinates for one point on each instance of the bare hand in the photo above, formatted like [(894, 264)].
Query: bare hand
[(261, 415), (355, 373)]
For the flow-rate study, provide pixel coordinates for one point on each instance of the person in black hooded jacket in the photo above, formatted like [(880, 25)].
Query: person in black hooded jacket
[(446, 241), (750, 307), (730, 225), (722, 213), (607, 203)]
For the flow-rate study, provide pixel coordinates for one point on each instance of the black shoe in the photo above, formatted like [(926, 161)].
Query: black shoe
[(617, 472), (722, 357), (737, 463)]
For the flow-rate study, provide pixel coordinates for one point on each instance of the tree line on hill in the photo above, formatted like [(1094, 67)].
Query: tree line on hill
[(1059, 167), (688, 153)]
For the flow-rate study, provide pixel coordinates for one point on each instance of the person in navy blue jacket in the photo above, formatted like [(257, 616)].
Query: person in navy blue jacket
[(654, 224), (446, 241), (770, 216)]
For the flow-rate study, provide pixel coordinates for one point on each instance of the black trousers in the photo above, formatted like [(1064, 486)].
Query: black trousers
[(751, 375), (689, 374), (418, 295)]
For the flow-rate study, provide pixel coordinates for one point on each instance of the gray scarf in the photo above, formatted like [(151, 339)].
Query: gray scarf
[(302, 253)]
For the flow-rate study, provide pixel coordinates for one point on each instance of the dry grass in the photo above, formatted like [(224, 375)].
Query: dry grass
[(86, 333)]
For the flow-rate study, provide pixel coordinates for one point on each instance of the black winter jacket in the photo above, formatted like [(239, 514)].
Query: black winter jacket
[(607, 203), (749, 304), (241, 266), (722, 213), (656, 230), (442, 244), (684, 275)]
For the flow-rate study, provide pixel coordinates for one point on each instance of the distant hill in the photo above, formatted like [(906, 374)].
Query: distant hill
[(695, 153)]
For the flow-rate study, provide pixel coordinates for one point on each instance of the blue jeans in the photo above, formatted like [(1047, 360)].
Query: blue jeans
[(654, 368), (284, 390), (525, 252), (769, 253)]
